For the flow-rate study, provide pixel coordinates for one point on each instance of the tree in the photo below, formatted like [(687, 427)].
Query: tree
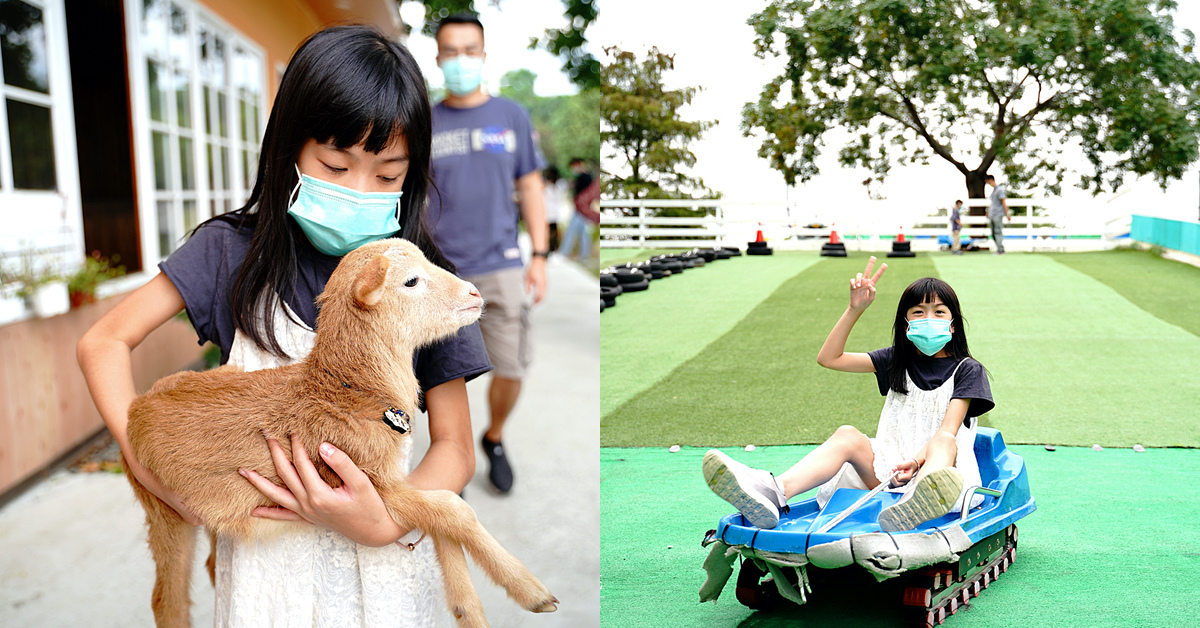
[(998, 81), (567, 126), (640, 123), (569, 43)]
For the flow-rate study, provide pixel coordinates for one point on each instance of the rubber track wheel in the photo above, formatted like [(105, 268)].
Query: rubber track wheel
[(636, 287)]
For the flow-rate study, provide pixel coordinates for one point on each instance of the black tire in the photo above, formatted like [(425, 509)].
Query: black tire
[(611, 292), (756, 245), (609, 302), (636, 287), (602, 306), (759, 251), (734, 251), (752, 592), (629, 275), (607, 279)]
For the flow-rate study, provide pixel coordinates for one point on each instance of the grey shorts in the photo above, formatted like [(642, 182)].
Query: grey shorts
[(505, 321)]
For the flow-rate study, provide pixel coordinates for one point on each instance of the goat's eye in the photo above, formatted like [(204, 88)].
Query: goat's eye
[(411, 282)]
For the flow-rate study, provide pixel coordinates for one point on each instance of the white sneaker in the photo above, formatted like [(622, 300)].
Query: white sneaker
[(932, 497), (756, 494)]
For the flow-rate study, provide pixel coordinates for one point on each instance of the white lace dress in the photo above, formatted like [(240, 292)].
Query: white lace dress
[(905, 425), (315, 577)]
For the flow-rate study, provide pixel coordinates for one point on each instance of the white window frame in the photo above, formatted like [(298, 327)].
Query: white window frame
[(147, 192), (47, 221)]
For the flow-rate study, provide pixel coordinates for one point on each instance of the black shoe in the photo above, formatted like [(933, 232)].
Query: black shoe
[(499, 473)]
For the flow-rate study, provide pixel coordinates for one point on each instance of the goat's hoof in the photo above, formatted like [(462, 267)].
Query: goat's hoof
[(547, 607)]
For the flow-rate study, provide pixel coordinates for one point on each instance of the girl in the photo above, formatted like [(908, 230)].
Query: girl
[(345, 160), (934, 392)]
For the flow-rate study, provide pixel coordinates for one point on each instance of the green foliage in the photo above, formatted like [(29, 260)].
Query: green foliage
[(568, 43), (968, 79), (96, 269), (567, 126), (640, 123)]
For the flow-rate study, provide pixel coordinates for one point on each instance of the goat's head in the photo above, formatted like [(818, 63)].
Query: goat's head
[(386, 291)]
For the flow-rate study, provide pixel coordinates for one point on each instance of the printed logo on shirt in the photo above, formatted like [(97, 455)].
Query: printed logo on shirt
[(494, 139), (448, 143)]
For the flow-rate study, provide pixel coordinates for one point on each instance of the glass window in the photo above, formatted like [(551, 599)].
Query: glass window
[(154, 28), (158, 93), (177, 38), (23, 46), (32, 142), (164, 229), (183, 100), (162, 165), (189, 216), (187, 172)]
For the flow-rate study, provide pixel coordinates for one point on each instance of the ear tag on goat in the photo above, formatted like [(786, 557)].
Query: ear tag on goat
[(396, 419)]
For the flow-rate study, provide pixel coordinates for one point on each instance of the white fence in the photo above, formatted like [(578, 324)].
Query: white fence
[(735, 224)]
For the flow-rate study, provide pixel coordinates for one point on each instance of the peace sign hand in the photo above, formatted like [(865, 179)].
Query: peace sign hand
[(862, 286)]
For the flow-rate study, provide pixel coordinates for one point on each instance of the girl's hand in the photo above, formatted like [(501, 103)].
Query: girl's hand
[(355, 509), (907, 470), (862, 286)]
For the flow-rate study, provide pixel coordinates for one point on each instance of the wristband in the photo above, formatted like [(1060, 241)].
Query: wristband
[(542, 254)]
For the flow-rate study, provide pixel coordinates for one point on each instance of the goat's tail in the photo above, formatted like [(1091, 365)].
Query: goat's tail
[(172, 544)]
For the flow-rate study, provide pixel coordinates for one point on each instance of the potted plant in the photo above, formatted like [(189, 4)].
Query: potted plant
[(96, 269), (12, 306), (44, 290)]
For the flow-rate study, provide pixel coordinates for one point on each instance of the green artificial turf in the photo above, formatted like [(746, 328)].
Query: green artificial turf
[(759, 382), (1112, 543), (1071, 360), (1167, 289), (650, 333)]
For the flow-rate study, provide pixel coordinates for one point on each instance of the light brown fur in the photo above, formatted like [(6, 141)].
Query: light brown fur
[(195, 430)]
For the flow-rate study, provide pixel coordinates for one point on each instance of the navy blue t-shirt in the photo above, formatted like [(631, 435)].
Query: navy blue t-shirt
[(928, 373), (205, 267), (477, 155)]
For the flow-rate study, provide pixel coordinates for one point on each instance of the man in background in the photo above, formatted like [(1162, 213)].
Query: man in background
[(484, 156)]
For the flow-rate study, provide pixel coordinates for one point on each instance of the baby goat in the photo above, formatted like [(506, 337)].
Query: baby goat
[(195, 430)]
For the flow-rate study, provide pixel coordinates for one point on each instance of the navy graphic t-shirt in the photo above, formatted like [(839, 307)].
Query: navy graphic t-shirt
[(477, 156), (928, 373)]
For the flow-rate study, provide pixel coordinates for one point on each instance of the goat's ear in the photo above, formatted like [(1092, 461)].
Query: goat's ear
[(371, 282)]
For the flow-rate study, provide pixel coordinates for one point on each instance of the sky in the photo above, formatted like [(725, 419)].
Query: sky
[(713, 48)]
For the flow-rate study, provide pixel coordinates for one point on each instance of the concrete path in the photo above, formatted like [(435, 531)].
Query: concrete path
[(73, 551)]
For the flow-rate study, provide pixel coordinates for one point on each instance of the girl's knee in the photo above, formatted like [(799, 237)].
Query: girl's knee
[(943, 442), (849, 436)]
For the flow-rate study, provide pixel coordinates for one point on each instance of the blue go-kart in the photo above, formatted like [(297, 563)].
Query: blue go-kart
[(943, 562)]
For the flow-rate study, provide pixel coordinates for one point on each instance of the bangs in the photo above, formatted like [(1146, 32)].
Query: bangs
[(923, 291), (364, 103)]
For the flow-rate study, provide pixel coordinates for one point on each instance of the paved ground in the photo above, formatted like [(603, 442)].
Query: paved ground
[(73, 553)]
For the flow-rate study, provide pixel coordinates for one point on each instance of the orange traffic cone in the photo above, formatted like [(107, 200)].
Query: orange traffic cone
[(900, 238), (833, 237), (833, 248), (901, 247), (759, 237)]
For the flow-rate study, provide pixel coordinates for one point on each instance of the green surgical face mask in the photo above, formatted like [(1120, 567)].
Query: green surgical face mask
[(463, 74), (338, 220), (929, 334)]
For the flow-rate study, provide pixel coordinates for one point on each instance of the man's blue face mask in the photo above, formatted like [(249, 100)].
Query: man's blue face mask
[(338, 220), (929, 334), (463, 74)]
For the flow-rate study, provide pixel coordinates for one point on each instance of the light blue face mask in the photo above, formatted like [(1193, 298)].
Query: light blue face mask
[(929, 334), (463, 74), (338, 220)]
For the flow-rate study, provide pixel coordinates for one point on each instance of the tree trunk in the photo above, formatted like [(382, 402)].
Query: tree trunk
[(976, 188)]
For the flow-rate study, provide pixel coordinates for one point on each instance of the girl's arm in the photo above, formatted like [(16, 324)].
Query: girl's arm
[(833, 353), (355, 509), (104, 355), (955, 415)]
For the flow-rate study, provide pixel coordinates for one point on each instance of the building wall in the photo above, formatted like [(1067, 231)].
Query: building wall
[(277, 25), (44, 401)]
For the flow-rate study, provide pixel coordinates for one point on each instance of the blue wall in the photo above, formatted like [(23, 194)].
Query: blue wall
[(1171, 234)]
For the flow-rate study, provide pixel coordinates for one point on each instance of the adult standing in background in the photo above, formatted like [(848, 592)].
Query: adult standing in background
[(558, 205), (997, 212), (956, 228), (483, 157), (586, 187)]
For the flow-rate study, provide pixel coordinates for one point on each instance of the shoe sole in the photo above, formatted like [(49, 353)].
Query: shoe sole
[(933, 497), (723, 481)]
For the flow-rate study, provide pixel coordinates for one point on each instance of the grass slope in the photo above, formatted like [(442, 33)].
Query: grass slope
[(1167, 289), (1111, 544), (760, 383), (650, 333), (1072, 361)]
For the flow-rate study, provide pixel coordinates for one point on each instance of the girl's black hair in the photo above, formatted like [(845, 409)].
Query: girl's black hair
[(346, 85), (904, 352)]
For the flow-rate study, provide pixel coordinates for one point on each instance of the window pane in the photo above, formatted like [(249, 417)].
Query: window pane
[(212, 176), (162, 167), (246, 169), (177, 39), (32, 146), (164, 229), (23, 42), (23, 45), (158, 97), (183, 100), (208, 127), (221, 113), (187, 174), (212, 57), (225, 182), (189, 216), (243, 121), (154, 28)]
